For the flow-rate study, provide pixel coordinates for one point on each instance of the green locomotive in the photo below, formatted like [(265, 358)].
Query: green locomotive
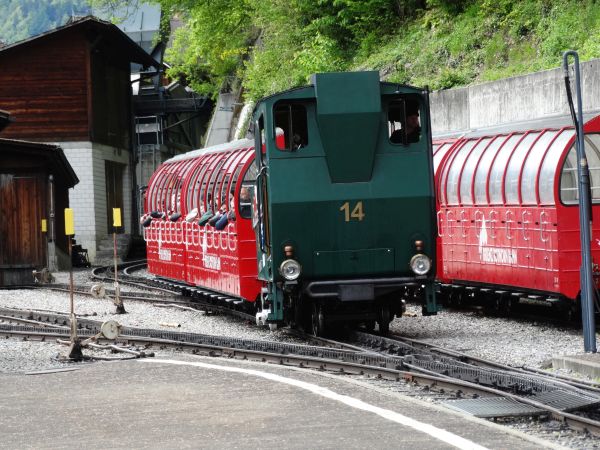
[(344, 207)]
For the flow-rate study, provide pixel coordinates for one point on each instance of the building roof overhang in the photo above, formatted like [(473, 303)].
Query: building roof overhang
[(115, 37), (53, 155)]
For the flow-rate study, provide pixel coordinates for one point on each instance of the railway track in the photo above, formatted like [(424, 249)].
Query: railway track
[(524, 390), (399, 345), (350, 362)]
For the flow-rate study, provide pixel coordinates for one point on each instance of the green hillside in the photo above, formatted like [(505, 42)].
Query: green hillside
[(276, 44), (441, 43), (25, 18)]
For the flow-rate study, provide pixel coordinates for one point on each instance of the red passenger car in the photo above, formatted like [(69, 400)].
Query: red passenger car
[(220, 256), (508, 217)]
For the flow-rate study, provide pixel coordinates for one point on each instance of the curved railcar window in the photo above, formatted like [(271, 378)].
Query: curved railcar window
[(483, 170), (568, 181), (499, 167), (213, 199), (220, 193), (193, 190), (454, 172), (532, 164), (511, 184), (292, 120), (158, 203), (204, 202), (169, 195), (466, 179), (439, 153), (549, 167)]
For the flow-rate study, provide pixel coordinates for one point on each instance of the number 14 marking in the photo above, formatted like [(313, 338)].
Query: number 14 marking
[(357, 213)]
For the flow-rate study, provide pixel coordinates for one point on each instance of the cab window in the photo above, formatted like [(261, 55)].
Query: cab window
[(247, 191), (291, 126), (404, 123)]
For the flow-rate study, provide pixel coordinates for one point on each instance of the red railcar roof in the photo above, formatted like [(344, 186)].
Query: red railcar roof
[(508, 168)]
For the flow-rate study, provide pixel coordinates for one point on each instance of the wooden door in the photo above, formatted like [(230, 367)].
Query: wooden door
[(23, 204)]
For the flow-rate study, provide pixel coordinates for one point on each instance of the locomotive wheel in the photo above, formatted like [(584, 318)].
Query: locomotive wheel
[(301, 315), (573, 313), (506, 305), (318, 320), (384, 320), (491, 305), (455, 298)]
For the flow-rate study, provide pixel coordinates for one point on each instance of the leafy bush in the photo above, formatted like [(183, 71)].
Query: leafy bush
[(276, 44)]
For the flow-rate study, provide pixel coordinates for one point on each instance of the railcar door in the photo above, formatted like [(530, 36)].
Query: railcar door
[(260, 218)]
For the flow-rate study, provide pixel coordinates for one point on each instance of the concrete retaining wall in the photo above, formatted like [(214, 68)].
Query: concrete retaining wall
[(534, 96)]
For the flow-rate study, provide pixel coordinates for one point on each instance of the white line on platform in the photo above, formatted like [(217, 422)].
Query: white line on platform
[(437, 433)]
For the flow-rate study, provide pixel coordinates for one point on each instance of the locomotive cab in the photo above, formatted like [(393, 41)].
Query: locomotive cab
[(343, 212)]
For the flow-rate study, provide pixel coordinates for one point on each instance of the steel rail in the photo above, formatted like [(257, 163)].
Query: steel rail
[(126, 295), (479, 362), (462, 357), (573, 420), (9, 318), (325, 364)]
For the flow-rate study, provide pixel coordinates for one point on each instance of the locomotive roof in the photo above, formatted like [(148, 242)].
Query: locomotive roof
[(245, 143), (228, 146), (397, 86)]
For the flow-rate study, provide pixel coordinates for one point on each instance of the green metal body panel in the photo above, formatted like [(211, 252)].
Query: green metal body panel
[(313, 192), (348, 112), (397, 211)]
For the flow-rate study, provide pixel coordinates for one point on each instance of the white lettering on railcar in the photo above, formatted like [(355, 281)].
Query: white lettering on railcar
[(211, 262), (499, 255), (164, 254), (494, 255), (204, 243)]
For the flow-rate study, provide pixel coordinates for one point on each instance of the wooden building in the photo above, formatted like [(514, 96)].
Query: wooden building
[(71, 87), (34, 185)]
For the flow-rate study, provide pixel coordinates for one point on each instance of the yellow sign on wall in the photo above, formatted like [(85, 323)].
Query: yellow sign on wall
[(116, 217), (69, 222), (44, 226)]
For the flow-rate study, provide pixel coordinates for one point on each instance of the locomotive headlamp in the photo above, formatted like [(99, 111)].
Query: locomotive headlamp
[(290, 269), (289, 251), (420, 264), (419, 246)]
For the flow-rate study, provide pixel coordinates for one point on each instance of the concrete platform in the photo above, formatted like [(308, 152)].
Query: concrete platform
[(197, 402), (585, 364)]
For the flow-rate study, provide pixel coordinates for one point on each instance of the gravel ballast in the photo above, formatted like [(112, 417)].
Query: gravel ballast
[(504, 340)]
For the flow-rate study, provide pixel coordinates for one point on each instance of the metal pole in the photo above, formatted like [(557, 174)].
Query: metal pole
[(75, 347), (118, 301), (587, 286), (51, 224), (71, 301)]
